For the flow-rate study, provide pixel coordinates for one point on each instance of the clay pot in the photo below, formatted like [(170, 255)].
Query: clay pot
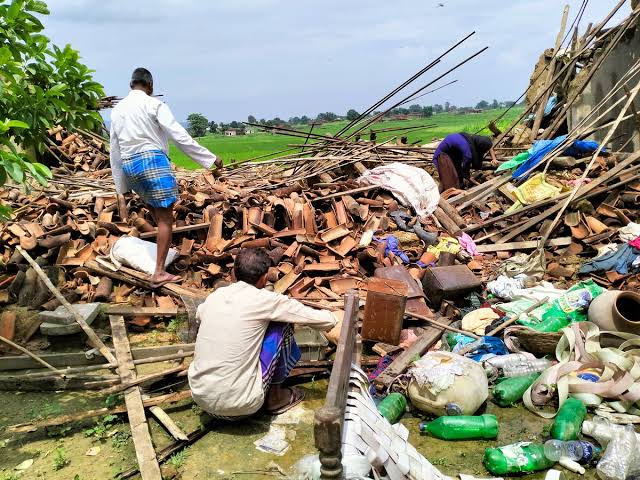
[(626, 312), (615, 310), (601, 311)]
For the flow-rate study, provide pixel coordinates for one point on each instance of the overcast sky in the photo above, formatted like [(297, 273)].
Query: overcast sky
[(231, 58)]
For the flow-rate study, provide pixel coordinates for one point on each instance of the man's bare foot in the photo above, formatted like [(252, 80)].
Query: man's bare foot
[(162, 278)]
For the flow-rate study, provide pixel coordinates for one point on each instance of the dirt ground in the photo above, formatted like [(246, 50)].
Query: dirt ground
[(100, 448), (227, 452)]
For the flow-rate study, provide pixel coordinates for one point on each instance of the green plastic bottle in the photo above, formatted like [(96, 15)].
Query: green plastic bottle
[(462, 427), (569, 420), (392, 407), (516, 458), (510, 390)]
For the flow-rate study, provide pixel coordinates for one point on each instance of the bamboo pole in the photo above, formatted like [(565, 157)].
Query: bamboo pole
[(32, 355)]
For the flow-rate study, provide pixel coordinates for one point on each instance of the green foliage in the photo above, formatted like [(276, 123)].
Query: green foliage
[(174, 325), (352, 115), (120, 439), (100, 430), (60, 459), (58, 431), (41, 85), (48, 408), (198, 125), (177, 459)]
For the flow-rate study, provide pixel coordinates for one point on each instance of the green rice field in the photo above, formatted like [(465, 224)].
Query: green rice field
[(258, 144)]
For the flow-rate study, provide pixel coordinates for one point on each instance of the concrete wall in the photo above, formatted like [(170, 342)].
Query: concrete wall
[(612, 69)]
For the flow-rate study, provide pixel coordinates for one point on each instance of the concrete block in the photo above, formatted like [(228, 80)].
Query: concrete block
[(62, 316)]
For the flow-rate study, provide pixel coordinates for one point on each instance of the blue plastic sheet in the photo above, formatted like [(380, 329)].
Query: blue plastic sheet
[(488, 347), (540, 148)]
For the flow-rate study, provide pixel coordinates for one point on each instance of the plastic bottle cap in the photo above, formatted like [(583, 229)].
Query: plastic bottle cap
[(453, 409), (554, 475)]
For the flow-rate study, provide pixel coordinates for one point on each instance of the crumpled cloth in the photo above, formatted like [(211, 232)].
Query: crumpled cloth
[(621, 261), (446, 244), (436, 375), (469, 244), (393, 246), (630, 232), (533, 265), (412, 186), (478, 320), (635, 243)]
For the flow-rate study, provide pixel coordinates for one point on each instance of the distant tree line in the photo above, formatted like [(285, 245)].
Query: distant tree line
[(198, 125)]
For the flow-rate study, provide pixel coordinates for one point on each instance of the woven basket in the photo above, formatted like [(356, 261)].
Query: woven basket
[(537, 343)]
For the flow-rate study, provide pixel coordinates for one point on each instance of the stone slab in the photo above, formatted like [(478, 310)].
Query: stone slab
[(62, 316)]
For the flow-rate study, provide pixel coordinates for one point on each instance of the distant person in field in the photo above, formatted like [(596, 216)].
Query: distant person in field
[(455, 156), (141, 127), (245, 347)]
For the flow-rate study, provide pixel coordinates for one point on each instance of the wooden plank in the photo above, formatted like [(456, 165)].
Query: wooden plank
[(147, 461), (129, 311), (402, 361), (79, 359), (63, 419), (183, 229), (166, 421), (528, 245)]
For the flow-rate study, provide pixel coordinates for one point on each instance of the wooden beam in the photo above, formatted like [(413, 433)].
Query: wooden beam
[(528, 245), (76, 417), (78, 359), (402, 361), (129, 311), (147, 461)]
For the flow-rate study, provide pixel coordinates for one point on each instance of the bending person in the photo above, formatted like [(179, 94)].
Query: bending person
[(455, 156), (141, 127), (245, 347)]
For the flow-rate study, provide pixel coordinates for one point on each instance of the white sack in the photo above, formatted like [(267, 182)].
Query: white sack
[(138, 254), (412, 186)]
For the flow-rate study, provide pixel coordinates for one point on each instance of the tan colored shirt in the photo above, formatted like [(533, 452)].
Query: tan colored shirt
[(225, 375)]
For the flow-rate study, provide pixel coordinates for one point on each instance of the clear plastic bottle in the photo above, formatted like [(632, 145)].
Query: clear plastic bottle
[(621, 455), (602, 430), (520, 368), (555, 449), (576, 450), (499, 361)]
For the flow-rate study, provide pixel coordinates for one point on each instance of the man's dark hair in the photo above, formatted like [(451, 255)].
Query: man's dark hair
[(251, 264), (141, 77)]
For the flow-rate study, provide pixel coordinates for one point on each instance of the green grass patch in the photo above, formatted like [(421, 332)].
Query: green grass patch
[(245, 147)]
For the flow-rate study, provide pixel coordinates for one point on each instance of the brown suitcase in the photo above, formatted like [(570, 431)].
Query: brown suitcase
[(449, 283), (384, 310)]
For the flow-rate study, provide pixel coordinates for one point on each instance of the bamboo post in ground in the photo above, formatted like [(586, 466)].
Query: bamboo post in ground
[(93, 338)]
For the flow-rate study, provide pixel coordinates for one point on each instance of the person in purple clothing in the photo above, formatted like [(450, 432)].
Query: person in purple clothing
[(457, 153)]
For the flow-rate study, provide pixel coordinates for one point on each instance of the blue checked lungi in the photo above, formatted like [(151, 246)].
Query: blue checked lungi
[(149, 174), (278, 356)]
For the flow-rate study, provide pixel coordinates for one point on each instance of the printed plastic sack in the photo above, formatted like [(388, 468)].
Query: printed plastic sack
[(446, 383), (570, 307), (138, 254)]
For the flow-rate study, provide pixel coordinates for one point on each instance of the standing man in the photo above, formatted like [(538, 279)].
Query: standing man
[(141, 127)]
